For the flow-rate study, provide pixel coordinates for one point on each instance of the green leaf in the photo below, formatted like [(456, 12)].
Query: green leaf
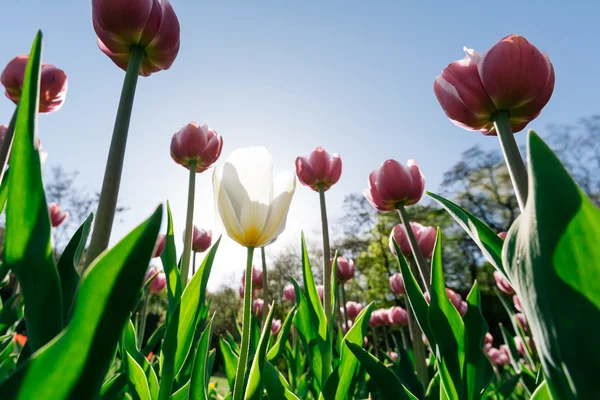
[(277, 348), (113, 386), (434, 389), (488, 241), (230, 360), (169, 261), (551, 254), (254, 389), (153, 340), (199, 380), (275, 384), (405, 371), (137, 378), (448, 330), (10, 313), (389, 385), (28, 249), (73, 365), (516, 327), (542, 393), (3, 191), (130, 348), (68, 263), (312, 293), (182, 393), (181, 326)]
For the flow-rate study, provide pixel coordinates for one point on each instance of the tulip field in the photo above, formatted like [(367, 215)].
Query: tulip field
[(76, 322)]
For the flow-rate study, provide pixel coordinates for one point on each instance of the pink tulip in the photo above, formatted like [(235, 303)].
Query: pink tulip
[(521, 320), (511, 76), (161, 241), (345, 269), (488, 342), (517, 303), (321, 291), (289, 293), (201, 240), (393, 356), (397, 316), (198, 144), (503, 283), (257, 307), (521, 348), (425, 236), (275, 326), (397, 284), (498, 356), (241, 291), (393, 184), (353, 309), (319, 169), (148, 24), (503, 235), (455, 298), (379, 317), (159, 282), (464, 307), (53, 84), (346, 327), (257, 278), (57, 216)]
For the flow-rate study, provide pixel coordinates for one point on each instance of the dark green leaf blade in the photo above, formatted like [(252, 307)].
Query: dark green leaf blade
[(199, 382), (230, 360), (276, 350), (169, 261), (254, 388)]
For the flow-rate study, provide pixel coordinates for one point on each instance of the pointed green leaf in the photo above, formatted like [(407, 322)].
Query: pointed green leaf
[(169, 261), (542, 393), (199, 380), (275, 384), (130, 348), (277, 348), (113, 386), (312, 293), (4, 191), (230, 360), (137, 379), (182, 393), (254, 389)]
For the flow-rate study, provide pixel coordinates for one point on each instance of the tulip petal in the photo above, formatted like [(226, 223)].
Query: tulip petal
[(335, 170), (284, 186), (305, 171), (164, 47), (225, 208), (454, 107)]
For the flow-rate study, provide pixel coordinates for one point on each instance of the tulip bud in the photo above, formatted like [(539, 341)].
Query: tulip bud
[(488, 342), (257, 306), (397, 316), (502, 235), (241, 290), (503, 283), (425, 236), (520, 345), (498, 356), (289, 293), (511, 76), (161, 241), (198, 144), (319, 169), (201, 240), (345, 269), (57, 216), (464, 307), (148, 24), (521, 320), (397, 284), (345, 327), (379, 317), (3, 130), (393, 356), (353, 309), (455, 298), (393, 184), (257, 275), (321, 291), (53, 84), (159, 282), (517, 303), (275, 326)]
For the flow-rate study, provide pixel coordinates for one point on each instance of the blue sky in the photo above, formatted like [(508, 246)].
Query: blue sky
[(354, 77)]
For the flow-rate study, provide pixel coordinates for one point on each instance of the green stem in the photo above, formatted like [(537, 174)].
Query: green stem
[(326, 259), (265, 280), (107, 204), (238, 386), (422, 265), (344, 306), (418, 348), (404, 341), (387, 339), (512, 156), (194, 264), (189, 226), (7, 145), (143, 314)]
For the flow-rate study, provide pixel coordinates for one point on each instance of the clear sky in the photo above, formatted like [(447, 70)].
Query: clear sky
[(354, 77)]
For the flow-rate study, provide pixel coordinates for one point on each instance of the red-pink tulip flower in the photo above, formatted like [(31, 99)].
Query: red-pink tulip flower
[(379, 317), (241, 290), (319, 169), (464, 307), (53, 83), (498, 356), (502, 235), (345, 269), (161, 241), (320, 291), (521, 346), (289, 293), (502, 283), (425, 235), (455, 298), (511, 76), (393, 356), (346, 327), (521, 320), (517, 303), (353, 309), (57, 216), (397, 316), (394, 184), (159, 282), (257, 306), (148, 24), (201, 240), (200, 145), (275, 326), (397, 284), (257, 281), (488, 342)]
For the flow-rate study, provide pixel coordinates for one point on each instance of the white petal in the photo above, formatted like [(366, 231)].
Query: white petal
[(284, 186), (225, 208)]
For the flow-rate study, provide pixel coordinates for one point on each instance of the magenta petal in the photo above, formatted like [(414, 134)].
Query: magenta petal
[(335, 170), (305, 172)]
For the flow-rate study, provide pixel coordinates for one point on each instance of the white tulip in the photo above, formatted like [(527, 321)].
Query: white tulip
[(253, 206)]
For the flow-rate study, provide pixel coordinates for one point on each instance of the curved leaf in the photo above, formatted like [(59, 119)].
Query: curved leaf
[(276, 350), (254, 389), (199, 382), (230, 360), (275, 384), (137, 378), (169, 261)]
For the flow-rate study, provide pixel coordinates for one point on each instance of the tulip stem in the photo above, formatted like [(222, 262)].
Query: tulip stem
[(418, 348), (107, 204), (512, 156), (414, 246), (265, 282), (7, 145), (189, 226), (326, 259), (344, 306), (194, 264), (238, 386)]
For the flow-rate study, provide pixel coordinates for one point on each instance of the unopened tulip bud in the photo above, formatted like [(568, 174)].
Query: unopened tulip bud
[(159, 282), (257, 278), (517, 303), (241, 291), (521, 320), (201, 240), (503, 283), (345, 269), (393, 356), (275, 326), (455, 298), (53, 84), (353, 309), (425, 236), (319, 169), (464, 307), (161, 241), (57, 216), (321, 291), (345, 327), (503, 235), (200, 145), (379, 317), (257, 306), (397, 316), (289, 293), (397, 284), (394, 184), (488, 342), (512, 76), (150, 25)]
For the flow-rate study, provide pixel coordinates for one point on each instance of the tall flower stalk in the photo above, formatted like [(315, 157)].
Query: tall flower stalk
[(326, 258), (189, 224), (265, 282)]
